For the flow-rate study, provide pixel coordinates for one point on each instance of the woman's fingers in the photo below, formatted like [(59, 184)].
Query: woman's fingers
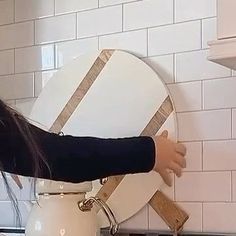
[(166, 177), (176, 168), (180, 160), (180, 148)]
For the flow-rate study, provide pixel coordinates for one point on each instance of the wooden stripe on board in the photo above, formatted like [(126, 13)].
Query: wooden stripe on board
[(82, 89)]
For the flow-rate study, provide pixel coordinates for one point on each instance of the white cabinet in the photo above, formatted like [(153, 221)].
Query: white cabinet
[(226, 19), (223, 49)]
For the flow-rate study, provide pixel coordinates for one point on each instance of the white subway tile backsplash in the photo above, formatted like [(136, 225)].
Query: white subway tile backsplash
[(204, 125), (17, 86), (193, 224), (174, 38), (100, 21), (220, 93), (234, 185), (137, 222), (186, 10), (103, 3), (186, 96), (16, 35), (6, 12), (219, 217), (41, 79), (153, 12), (219, 155), (62, 6), (133, 41), (193, 156), (55, 29), (195, 66), (234, 123), (3, 191), (208, 31), (208, 186), (34, 58), (67, 51), (6, 62), (31, 9), (163, 65), (8, 212)]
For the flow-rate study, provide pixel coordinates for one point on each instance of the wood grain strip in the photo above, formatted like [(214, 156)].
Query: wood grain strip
[(170, 212), (81, 91)]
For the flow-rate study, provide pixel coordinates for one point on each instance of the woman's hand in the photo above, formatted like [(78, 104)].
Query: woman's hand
[(169, 156)]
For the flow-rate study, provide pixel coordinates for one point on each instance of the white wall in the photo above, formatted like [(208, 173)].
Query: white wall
[(38, 37)]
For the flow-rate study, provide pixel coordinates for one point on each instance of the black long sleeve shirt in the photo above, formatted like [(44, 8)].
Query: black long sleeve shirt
[(78, 158)]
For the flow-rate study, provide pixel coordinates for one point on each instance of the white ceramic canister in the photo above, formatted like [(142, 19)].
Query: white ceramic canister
[(63, 210)]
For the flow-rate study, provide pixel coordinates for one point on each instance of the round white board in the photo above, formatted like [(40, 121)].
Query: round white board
[(121, 102)]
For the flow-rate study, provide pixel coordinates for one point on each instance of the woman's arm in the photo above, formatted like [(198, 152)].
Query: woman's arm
[(77, 159)]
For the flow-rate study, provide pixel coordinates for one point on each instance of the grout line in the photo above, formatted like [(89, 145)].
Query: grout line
[(174, 11), (202, 95), (175, 68), (54, 9), (231, 185), (201, 34), (14, 11), (98, 42), (231, 123), (122, 12), (202, 155), (147, 44), (202, 217), (76, 25)]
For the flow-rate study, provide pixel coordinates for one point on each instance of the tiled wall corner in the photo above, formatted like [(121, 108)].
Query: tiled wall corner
[(38, 37)]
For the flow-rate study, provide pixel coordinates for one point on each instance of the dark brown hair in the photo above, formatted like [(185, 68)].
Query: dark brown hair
[(11, 118)]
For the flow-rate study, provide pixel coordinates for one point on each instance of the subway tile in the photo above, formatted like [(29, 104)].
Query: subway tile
[(3, 190), (219, 217), (234, 185), (193, 224), (186, 96), (234, 123), (153, 12), (6, 62), (204, 125), (55, 29), (208, 186), (27, 192), (137, 222), (67, 51), (219, 155), (16, 35), (174, 38), (186, 10), (34, 58), (41, 79), (31, 9), (8, 212), (198, 67), (62, 6), (163, 66), (17, 86), (208, 31), (100, 21), (134, 42), (6, 12), (193, 156), (24, 106), (103, 3), (219, 93)]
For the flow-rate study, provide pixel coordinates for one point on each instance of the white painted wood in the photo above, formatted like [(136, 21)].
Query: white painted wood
[(122, 100), (226, 19)]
